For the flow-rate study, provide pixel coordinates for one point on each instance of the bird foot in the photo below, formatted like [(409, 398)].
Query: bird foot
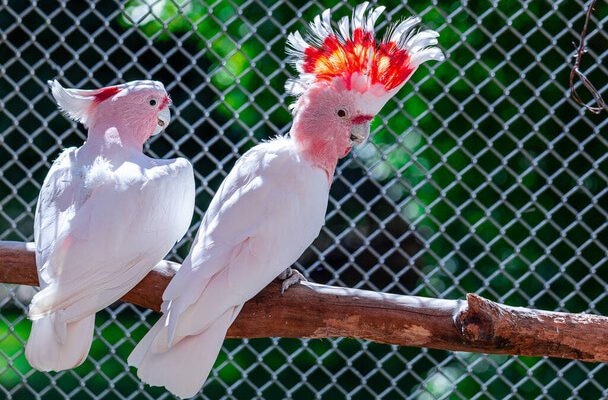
[(290, 277)]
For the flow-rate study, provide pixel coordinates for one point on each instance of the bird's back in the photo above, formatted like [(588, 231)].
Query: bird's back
[(103, 223)]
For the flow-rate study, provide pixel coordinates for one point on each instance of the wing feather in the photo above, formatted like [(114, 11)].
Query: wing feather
[(53, 211), (241, 204), (98, 236)]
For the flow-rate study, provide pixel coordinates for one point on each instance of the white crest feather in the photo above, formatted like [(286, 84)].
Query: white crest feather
[(73, 103), (344, 28), (402, 30)]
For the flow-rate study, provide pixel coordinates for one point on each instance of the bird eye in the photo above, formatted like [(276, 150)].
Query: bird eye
[(341, 113), (152, 102)]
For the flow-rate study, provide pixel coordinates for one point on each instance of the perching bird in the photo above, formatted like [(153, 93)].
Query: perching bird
[(106, 215), (272, 204)]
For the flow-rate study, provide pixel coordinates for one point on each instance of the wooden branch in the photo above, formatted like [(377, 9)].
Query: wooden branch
[(310, 310)]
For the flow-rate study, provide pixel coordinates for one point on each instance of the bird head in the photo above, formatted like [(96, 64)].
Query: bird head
[(139, 108), (345, 75)]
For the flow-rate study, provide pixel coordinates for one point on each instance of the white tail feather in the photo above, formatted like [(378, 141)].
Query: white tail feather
[(184, 367), (46, 352)]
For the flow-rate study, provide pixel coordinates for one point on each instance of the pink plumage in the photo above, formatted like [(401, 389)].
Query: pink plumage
[(269, 209)]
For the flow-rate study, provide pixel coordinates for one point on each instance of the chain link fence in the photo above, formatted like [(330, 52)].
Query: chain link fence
[(482, 176)]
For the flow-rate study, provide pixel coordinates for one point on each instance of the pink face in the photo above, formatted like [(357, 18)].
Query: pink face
[(141, 107), (329, 118), (327, 125)]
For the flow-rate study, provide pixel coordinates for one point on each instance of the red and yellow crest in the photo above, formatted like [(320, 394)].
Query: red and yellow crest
[(353, 59)]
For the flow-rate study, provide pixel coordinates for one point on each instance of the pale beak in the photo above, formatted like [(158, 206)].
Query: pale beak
[(359, 133), (164, 117)]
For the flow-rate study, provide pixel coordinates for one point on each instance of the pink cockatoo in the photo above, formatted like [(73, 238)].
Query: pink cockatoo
[(106, 215), (272, 205)]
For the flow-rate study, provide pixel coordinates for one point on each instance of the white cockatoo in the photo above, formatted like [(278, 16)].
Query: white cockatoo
[(272, 205), (106, 215)]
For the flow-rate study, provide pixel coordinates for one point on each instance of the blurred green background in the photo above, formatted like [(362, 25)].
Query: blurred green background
[(482, 176)]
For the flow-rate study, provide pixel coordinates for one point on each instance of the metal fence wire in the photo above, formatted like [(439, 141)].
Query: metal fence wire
[(482, 176)]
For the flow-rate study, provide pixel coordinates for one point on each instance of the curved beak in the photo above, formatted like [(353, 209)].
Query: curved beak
[(164, 118), (359, 133)]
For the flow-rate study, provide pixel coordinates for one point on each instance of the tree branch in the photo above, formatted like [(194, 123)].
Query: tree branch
[(310, 310)]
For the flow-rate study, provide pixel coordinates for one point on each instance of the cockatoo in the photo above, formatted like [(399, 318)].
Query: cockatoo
[(106, 215), (272, 205)]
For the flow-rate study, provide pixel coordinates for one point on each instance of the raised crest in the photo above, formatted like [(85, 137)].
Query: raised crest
[(351, 58)]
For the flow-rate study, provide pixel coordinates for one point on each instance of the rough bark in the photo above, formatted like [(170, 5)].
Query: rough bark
[(310, 310)]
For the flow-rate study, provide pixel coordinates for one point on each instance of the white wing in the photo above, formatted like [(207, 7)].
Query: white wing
[(100, 230), (262, 186), (241, 203), (55, 207), (267, 211)]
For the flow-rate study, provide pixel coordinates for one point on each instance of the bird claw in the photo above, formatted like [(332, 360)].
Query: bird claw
[(290, 277)]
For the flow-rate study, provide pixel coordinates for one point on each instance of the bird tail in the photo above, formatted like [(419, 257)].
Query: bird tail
[(47, 350), (183, 367)]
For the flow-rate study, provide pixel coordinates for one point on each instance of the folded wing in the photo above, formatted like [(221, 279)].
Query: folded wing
[(99, 232)]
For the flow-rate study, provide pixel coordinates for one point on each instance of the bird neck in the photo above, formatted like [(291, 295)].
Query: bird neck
[(316, 149), (116, 135)]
